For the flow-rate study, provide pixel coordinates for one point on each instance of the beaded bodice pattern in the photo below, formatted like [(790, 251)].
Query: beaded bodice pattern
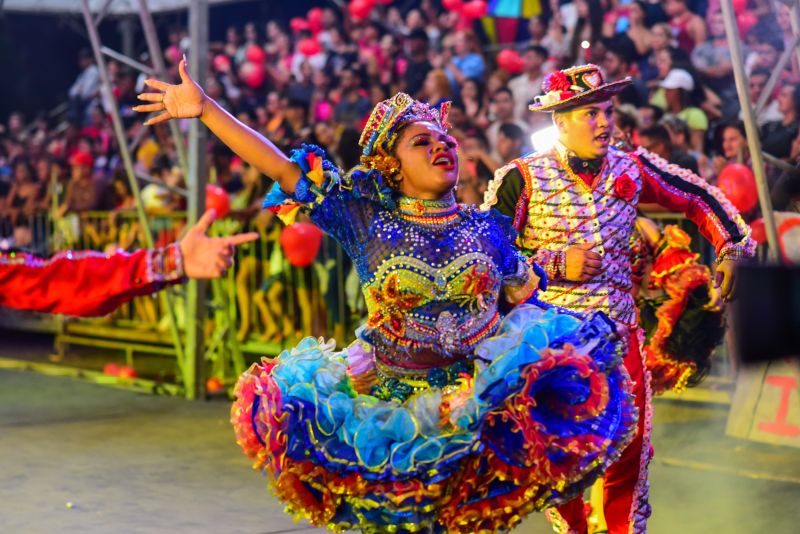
[(431, 270), (437, 272)]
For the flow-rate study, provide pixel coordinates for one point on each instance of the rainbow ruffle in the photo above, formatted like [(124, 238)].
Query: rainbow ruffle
[(527, 431)]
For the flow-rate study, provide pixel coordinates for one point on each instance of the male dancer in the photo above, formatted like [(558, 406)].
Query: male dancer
[(575, 208), (91, 283)]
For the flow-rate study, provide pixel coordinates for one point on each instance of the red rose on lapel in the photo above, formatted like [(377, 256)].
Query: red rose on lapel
[(625, 187)]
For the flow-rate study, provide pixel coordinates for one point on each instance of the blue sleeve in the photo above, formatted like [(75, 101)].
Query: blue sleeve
[(508, 254), (513, 264), (326, 195)]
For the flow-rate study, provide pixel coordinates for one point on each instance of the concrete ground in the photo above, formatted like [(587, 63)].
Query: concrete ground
[(77, 457)]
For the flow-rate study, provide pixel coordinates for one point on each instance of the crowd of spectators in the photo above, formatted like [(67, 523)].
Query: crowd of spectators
[(297, 84)]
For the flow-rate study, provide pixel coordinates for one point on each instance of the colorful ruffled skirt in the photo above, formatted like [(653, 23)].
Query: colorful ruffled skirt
[(545, 410)]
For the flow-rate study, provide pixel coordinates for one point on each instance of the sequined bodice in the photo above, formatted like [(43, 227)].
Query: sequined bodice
[(431, 271), (433, 286)]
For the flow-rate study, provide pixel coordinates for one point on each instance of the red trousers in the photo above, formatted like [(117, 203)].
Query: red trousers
[(625, 488)]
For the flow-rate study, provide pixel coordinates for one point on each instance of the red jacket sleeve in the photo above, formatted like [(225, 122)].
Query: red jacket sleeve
[(681, 190), (85, 283)]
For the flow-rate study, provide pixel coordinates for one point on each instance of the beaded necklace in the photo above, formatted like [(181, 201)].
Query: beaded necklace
[(437, 212)]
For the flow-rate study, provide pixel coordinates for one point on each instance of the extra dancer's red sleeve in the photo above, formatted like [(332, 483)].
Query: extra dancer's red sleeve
[(678, 189), (85, 283)]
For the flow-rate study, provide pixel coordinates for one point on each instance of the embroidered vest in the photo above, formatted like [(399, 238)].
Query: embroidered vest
[(563, 211)]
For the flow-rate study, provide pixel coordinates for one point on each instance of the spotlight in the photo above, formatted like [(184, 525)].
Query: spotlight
[(585, 45), (544, 139)]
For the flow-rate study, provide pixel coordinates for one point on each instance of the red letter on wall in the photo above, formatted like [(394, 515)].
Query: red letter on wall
[(779, 425)]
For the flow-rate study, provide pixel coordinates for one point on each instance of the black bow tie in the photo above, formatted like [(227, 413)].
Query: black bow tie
[(582, 166)]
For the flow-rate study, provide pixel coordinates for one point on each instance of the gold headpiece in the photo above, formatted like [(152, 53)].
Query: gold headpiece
[(389, 116)]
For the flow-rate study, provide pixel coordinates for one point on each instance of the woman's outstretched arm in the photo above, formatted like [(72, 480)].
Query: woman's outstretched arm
[(188, 100)]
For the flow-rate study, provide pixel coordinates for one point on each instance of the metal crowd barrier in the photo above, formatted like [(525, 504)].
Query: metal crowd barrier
[(262, 307)]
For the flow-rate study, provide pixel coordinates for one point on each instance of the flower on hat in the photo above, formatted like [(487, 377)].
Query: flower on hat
[(556, 81)]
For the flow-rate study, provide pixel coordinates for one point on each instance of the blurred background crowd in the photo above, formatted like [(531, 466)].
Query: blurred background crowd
[(315, 79)]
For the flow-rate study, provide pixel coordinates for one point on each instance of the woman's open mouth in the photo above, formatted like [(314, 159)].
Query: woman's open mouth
[(445, 161)]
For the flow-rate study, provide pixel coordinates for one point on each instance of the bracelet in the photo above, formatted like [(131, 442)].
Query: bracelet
[(166, 264), (561, 264), (733, 252), (555, 268)]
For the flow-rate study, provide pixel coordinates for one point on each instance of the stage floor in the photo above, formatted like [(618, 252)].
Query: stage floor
[(77, 457)]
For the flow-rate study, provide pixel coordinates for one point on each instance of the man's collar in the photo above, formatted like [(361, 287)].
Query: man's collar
[(578, 165)]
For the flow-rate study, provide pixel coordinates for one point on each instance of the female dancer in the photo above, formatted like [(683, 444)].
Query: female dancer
[(443, 416)]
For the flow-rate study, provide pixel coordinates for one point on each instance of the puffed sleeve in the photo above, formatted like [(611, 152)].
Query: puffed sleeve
[(509, 194), (521, 276), (85, 283), (326, 194), (506, 193)]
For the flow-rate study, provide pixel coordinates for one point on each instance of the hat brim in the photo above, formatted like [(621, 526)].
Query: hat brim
[(599, 94)]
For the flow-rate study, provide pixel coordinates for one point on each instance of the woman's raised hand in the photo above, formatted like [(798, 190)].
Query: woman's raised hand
[(182, 101)]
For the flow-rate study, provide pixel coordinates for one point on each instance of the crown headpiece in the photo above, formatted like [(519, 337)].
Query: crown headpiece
[(389, 116)]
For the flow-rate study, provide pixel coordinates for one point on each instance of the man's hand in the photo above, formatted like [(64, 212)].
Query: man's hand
[(209, 257), (725, 279), (583, 263)]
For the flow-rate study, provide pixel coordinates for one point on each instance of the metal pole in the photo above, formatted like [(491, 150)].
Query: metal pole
[(127, 28), (108, 95), (122, 58), (154, 48), (119, 132), (102, 14), (194, 372), (753, 142), (795, 21)]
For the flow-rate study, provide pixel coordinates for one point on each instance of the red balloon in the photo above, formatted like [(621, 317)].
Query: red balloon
[(758, 231), (111, 369), (314, 18), (218, 200), (452, 5), (309, 46), (510, 61), (253, 74), (255, 54), (474, 9), (745, 21), (359, 9), (299, 24), (738, 184), (127, 372), (739, 5), (173, 54), (221, 63), (300, 243)]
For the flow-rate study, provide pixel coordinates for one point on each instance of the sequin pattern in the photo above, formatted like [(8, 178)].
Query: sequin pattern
[(451, 262), (563, 211)]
